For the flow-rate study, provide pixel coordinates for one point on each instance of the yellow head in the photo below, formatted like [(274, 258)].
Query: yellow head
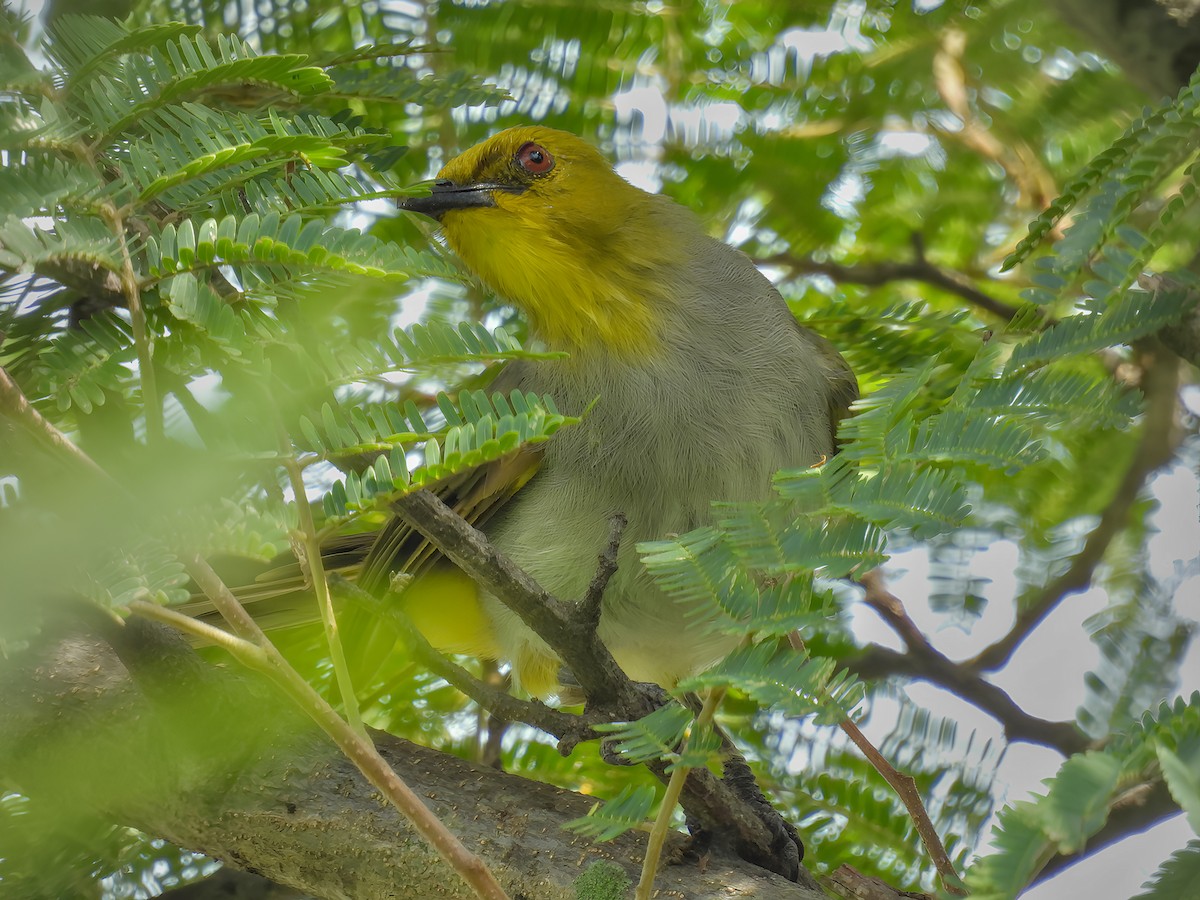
[(542, 217)]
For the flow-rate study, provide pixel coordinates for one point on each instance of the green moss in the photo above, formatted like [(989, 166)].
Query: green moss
[(603, 880)]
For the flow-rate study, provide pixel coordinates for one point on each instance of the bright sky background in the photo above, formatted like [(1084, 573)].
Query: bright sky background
[(1045, 677)]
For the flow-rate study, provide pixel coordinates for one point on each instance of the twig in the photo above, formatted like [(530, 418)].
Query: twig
[(704, 796), (241, 649), (315, 565), (142, 341), (1018, 725), (1160, 382), (252, 647), (17, 407), (662, 822), (357, 747), (906, 789), (892, 611), (569, 728), (925, 661), (553, 620), (876, 274), (589, 607)]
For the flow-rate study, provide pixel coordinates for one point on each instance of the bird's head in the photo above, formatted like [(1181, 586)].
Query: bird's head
[(541, 216)]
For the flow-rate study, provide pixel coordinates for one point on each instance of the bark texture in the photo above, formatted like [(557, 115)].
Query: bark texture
[(135, 728)]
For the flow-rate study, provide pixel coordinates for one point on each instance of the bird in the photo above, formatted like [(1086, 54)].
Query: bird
[(693, 380)]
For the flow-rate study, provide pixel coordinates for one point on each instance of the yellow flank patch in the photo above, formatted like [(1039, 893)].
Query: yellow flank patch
[(536, 673), (444, 605)]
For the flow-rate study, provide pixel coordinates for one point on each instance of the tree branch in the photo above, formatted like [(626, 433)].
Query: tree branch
[(589, 608), (705, 797), (241, 775), (880, 662), (925, 662), (891, 610), (902, 783), (1142, 806), (569, 729), (556, 622), (1160, 382), (876, 274)]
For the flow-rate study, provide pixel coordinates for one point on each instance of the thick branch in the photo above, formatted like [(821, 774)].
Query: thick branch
[(237, 773), (1160, 381)]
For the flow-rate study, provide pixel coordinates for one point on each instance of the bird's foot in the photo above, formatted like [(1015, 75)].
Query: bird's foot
[(786, 850)]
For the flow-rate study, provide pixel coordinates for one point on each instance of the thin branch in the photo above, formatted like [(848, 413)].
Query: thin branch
[(358, 748), (589, 608), (905, 787), (705, 797), (570, 729), (554, 621), (880, 662), (891, 610), (315, 566), (15, 405), (247, 652), (131, 288), (1160, 382), (876, 274), (662, 822), (926, 662)]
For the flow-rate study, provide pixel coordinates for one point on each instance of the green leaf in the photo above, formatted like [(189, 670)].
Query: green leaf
[(488, 432), (652, 737), (629, 809), (1020, 851), (1077, 803), (776, 675), (1181, 771), (1177, 878)]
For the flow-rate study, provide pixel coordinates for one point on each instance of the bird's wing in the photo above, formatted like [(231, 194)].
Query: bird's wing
[(278, 596), (475, 495), (843, 390), (843, 384)]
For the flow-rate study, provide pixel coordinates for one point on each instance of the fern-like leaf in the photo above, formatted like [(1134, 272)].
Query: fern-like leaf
[(629, 809)]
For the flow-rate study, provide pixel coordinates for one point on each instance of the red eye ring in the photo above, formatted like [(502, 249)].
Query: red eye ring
[(534, 158)]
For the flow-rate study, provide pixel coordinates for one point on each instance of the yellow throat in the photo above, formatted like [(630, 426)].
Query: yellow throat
[(563, 237)]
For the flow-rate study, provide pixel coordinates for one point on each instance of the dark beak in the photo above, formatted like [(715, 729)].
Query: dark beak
[(447, 196)]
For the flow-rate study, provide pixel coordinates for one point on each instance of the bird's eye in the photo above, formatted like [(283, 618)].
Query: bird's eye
[(535, 159)]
